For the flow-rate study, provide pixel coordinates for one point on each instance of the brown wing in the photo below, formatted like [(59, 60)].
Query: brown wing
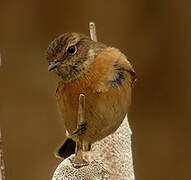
[(115, 70)]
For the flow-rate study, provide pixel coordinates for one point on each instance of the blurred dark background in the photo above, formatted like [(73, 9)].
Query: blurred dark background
[(156, 37)]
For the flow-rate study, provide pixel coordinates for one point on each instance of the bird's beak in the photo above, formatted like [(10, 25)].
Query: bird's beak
[(53, 65)]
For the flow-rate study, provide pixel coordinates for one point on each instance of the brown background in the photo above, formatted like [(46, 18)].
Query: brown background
[(156, 37)]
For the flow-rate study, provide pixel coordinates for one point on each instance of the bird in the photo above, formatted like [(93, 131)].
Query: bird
[(102, 76)]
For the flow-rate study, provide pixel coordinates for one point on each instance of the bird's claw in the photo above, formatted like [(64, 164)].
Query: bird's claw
[(80, 129)]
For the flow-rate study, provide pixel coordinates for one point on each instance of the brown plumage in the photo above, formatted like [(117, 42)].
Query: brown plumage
[(102, 74)]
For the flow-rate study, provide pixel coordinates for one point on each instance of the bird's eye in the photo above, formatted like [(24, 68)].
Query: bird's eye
[(72, 50)]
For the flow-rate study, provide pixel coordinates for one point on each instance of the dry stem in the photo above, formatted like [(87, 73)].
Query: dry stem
[(92, 28), (2, 164)]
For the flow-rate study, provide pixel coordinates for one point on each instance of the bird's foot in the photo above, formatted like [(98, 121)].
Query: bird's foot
[(78, 160), (80, 129)]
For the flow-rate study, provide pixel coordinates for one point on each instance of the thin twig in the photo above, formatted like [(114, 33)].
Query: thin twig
[(81, 123), (0, 59), (92, 28), (2, 163), (81, 109)]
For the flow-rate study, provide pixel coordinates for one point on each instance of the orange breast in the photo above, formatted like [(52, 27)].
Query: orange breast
[(105, 106)]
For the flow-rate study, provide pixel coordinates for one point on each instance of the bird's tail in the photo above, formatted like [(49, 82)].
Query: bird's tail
[(65, 149)]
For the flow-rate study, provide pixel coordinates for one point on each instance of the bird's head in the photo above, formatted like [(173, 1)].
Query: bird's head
[(71, 54)]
